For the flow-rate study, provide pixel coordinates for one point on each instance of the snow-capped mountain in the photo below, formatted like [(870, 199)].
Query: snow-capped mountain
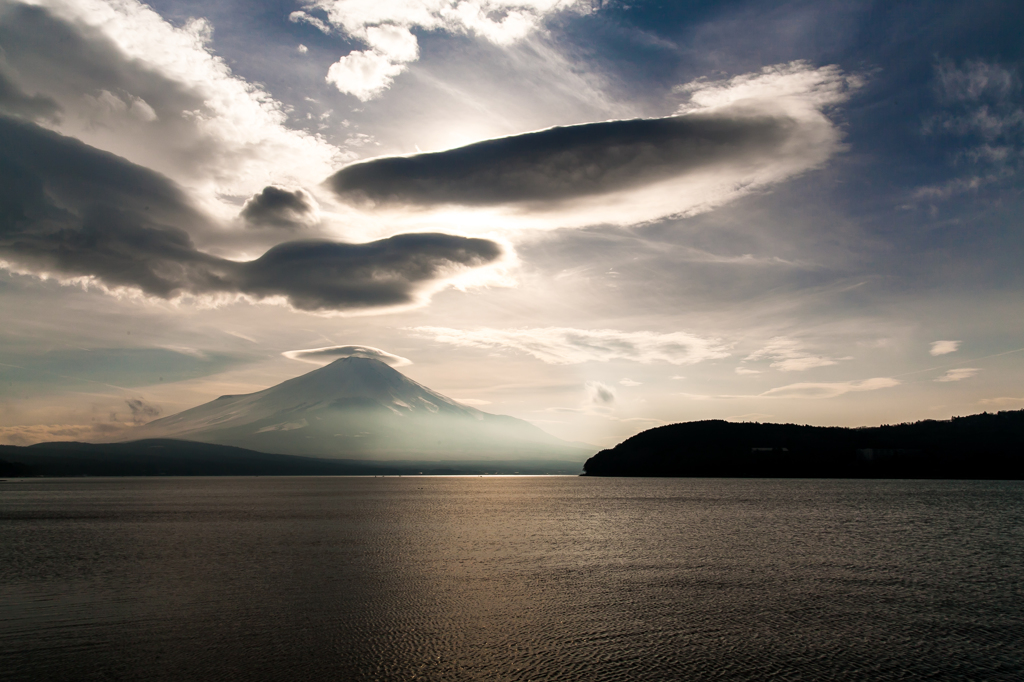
[(359, 408)]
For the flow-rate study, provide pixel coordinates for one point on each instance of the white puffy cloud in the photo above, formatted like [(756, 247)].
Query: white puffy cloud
[(829, 389), (959, 374), (788, 355), (363, 74), (630, 382), (566, 346), (395, 42), (386, 26), (500, 21), (944, 347), (368, 73)]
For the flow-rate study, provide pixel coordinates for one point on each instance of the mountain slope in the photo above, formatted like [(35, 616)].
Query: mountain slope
[(976, 446), (359, 408)]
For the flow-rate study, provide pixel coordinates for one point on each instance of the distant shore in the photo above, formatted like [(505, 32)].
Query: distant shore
[(981, 446)]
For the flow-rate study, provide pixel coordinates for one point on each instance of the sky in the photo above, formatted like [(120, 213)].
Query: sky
[(600, 217)]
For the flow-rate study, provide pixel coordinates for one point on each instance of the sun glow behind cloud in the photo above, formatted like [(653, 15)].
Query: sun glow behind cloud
[(732, 138), (701, 207), (385, 26)]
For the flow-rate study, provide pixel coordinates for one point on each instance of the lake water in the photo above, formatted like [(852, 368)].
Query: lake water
[(548, 578)]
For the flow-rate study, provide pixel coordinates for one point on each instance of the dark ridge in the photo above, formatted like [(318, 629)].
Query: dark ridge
[(168, 457), (980, 446)]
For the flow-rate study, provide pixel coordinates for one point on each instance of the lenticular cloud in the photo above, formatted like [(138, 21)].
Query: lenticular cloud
[(321, 356), (73, 211), (731, 138)]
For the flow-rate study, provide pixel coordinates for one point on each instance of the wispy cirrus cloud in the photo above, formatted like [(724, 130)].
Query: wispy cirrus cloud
[(983, 109), (787, 355), (30, 434), (386, 28), (567, 346), (1004, 401), (959, 374), (830, 389)]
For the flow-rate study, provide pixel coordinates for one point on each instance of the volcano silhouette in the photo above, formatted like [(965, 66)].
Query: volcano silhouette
[(359, 408)]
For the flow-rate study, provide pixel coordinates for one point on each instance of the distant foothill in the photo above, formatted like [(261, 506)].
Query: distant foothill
[(980, 446)]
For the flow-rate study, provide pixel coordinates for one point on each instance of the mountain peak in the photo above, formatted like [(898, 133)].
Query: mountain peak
[(357, 360), (354, 406), (356, 363)]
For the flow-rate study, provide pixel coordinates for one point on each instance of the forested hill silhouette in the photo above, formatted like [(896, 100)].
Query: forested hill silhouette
[(989, 446)]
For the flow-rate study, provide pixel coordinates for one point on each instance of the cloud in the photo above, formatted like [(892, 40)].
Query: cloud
[(319, 275), (954, 187), (31, 434), (300, 17), (386, 27), (279, 207), (630, 382), (76, 212), (732, 138), (788, 356), (984, 114), (744, 370), (320, 356), (127, 81), (566, 346), (142, 411), (829, 390), (472, 401), (45, 370), (959, 374), (1004, 401), (363, 74), (16, 102), (600, 394), (944, 347), (561, 163), (974, 81)]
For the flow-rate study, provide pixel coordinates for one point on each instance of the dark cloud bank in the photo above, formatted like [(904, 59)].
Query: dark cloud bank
[(19, 103), (563, 163), (68, 208)]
